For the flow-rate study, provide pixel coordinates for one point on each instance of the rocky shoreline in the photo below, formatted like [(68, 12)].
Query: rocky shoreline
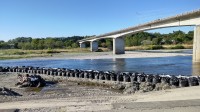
[(94, 91), (126, 81)]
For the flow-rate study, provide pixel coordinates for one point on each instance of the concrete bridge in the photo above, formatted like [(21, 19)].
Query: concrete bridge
[(185, 19)]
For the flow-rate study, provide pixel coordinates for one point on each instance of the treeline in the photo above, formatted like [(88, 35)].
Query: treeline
[(142, 38), (145, 38), (29, 43)]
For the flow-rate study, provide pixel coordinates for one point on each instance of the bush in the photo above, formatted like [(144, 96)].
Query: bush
[(155, 47), (177, 47)]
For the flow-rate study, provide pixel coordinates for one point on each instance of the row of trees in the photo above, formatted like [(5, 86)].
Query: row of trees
[(142, 38), (145, 38), (42, 43)]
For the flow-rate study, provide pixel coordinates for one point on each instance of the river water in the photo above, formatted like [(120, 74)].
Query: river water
[(177, 65)]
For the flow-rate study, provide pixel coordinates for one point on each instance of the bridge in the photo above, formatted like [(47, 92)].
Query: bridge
[(185, 19)]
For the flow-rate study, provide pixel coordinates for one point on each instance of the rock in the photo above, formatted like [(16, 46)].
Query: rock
[(174, 81), (193, 81), (8, 92), (149, 78), (146, 86), (141, 78), (183, 82), (162, 86), (30, 81), (118, 86), (131, 88), (156, 79)]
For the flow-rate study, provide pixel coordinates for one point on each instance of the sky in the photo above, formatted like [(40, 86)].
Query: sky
[(63, 18)]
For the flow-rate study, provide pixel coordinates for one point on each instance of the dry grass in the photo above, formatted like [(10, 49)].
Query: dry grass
[(133, 48), (18, 53)]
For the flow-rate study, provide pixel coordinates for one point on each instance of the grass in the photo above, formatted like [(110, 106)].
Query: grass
[(155, 47), (19, 53)]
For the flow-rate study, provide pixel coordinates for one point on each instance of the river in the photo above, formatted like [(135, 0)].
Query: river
[(176, 65)]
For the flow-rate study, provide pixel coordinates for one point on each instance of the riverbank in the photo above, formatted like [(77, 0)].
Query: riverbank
[(110, 55), (84, 53), (23, 54), (69, 96)]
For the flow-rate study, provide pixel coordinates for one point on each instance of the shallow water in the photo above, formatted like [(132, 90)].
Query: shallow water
[(177, 65)]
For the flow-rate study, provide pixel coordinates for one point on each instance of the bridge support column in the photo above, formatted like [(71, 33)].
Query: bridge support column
[(93, 46), (196, 44), (118, 45), (82, 45)]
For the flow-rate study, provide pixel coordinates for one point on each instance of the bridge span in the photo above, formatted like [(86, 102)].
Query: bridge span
[(185, 19)]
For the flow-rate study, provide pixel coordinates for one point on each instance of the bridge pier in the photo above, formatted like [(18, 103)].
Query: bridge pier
[(118, 45), (196, 44), (93, 46), (82, 45)]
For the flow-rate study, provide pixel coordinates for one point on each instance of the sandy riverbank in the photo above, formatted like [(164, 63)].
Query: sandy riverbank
[(109, 55), (68, 96)]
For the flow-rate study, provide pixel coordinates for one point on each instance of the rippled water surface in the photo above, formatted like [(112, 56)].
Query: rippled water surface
[(178, 65)]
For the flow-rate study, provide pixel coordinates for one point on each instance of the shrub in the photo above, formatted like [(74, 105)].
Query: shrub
[(177, 47)]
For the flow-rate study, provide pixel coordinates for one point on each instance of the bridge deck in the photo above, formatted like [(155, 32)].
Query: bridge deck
[(187, 15)]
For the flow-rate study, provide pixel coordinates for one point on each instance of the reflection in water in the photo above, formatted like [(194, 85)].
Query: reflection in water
[(120, 64), (196, 69)]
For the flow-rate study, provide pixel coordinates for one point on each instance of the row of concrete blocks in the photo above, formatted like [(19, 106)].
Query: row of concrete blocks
[(178, 81)]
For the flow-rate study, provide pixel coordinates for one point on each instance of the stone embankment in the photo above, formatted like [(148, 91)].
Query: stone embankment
[(136, 81)]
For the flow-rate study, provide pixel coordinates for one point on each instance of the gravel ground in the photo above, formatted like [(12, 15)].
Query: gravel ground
[(60, 89), (65, 96)]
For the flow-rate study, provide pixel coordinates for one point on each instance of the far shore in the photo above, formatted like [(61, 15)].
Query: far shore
[(110, 55), (85, 53)]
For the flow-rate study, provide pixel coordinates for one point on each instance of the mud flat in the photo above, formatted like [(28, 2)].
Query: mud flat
[(72, 96)]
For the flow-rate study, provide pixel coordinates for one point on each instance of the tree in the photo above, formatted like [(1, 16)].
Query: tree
[(75, 45), (109, 43), (49, 43), (35, 43), (157, 41), (59, 44)]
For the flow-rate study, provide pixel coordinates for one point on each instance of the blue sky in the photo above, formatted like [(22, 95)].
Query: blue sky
[(57, 18)]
